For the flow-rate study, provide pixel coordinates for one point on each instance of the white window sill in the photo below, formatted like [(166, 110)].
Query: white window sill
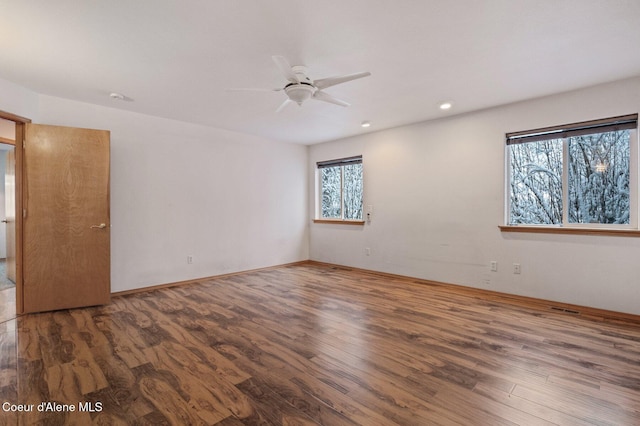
[(573, 231), (339, 221)]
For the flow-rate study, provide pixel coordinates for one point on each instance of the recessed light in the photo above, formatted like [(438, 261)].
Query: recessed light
[(116, 96), (446, 105), (365, 124)]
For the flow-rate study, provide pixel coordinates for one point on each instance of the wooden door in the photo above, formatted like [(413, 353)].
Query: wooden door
[(66, 227), (10, 213)]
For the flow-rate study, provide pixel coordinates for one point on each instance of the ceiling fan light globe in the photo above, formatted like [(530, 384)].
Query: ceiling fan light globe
[(299, 93)]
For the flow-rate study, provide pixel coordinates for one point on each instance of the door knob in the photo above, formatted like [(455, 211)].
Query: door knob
[(101, 226), (5, 221)]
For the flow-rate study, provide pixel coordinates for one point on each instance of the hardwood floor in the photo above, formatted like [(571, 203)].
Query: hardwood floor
[(311, 344)]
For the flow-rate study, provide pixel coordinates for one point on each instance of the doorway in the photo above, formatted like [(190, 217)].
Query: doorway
[(7, 225)]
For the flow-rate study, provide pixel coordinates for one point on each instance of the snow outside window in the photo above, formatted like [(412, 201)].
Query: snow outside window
[(341, 189), (575, 175)]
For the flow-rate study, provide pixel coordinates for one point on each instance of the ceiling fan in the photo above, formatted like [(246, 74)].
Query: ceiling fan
[(300, 87)]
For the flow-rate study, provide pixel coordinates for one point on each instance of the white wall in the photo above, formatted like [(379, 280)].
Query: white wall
[(17, 100), (233, 202), (437, 191), (7, 129)]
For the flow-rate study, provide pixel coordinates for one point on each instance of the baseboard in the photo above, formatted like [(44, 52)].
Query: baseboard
[(524, 301), (195, 280)]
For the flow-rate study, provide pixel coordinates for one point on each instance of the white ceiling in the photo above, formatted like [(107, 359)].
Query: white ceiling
[(175, 59)]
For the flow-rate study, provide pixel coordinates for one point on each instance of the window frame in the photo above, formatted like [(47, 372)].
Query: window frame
[(564, 132), (334, 163)]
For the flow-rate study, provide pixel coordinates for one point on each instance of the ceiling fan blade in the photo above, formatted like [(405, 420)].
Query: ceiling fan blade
[(285, 68), (252, 89), (322, 96), (284, 104), (323, 83)]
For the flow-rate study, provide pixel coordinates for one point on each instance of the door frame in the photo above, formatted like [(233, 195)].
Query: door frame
[(19, 144)]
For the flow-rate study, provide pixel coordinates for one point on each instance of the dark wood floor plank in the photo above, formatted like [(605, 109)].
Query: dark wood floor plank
[(8, 370), (28, 341), (122, 399), (222, 398), (382, 393), (540, 411), (224, 367), (579, 405), (271, 408), (125, 337), (171, 404), (478, 409), (269, 373), (8, 355), (64, 389), (7, 304)]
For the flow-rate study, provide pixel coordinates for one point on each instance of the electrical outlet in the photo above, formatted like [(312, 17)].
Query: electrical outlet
[(516, 268), (494, 266), (367, 251), (189, 260)]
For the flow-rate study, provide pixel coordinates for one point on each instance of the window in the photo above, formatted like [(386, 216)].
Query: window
[(573, 175), (341, 189)]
